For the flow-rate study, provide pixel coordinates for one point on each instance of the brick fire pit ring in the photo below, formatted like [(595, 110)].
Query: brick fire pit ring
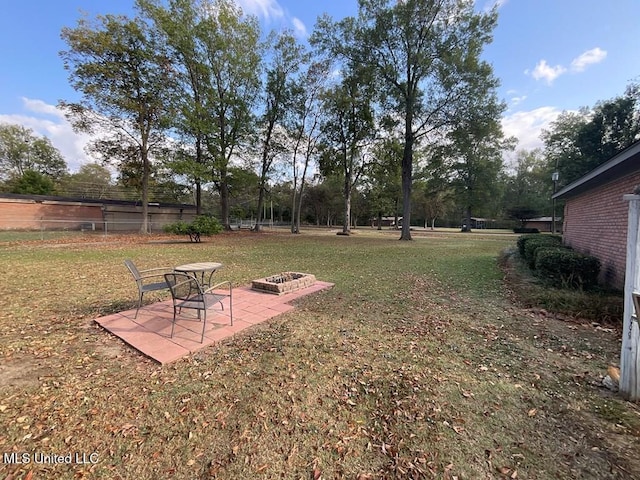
[(284, 282)]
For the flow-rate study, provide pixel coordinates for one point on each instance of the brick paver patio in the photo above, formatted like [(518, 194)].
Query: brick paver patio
[(150, 332)]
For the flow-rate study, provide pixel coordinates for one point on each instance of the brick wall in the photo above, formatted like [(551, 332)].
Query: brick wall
[(19, 214), (31, 214), (595, 223)]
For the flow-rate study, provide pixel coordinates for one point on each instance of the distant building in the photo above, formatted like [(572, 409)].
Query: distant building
[(387, 222), (544, 224), (42, 212)]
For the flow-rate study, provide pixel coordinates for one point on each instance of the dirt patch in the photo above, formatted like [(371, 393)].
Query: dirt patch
[(21, 373)]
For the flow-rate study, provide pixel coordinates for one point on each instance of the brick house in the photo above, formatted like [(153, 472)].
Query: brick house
[(596, 215), (543, 224)]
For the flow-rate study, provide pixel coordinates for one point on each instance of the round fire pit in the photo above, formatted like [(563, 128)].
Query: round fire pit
[(284, 282)]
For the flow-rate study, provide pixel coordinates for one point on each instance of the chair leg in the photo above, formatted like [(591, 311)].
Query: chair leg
[(173, 324), (139, 305), (204, 324)]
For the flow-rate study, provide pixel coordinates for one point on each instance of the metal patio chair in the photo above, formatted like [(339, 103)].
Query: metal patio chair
[(149, 280), (187, 292)]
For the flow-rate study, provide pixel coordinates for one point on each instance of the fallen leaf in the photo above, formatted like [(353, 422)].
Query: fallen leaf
[(532, 412)]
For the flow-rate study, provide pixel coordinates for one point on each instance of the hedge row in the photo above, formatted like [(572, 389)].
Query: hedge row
[(557, 263), (525, 230)]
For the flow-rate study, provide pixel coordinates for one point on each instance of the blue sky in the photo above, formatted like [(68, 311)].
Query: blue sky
[(550, 56)]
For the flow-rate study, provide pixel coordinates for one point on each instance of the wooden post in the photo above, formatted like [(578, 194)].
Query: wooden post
[(629, 353)]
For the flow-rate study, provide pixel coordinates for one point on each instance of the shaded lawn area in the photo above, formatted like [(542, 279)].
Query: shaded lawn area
[(415, 365)]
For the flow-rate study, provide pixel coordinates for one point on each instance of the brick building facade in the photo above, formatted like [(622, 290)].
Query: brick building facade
[(37, 212), (596, 215)]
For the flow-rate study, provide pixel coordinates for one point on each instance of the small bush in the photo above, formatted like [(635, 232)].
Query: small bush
[(522, 240), (567, 268), (201, 225), (597, 304), (525, 230), (532, 244)]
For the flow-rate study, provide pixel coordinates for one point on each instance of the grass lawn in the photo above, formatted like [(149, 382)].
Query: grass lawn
[(417, 364)]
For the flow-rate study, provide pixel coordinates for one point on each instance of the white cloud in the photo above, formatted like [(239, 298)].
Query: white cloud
[(494, 3), (517, 100), (267, 9), (590, 57), (49, 121), (546, 72), (299, 27), (528, 125)]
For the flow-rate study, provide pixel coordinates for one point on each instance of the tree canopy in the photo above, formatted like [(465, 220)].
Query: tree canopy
[(121, 70), (422, 52), (578, 142), (193, 103), (21, 151)]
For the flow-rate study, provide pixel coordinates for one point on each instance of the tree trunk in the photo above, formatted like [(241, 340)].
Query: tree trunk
[(407, 175), (466, 227), (346, 224), (299, 209), (198, 182), (260, 217), (266, 164), (294, 226), (144, 227), (198, 197), (224, 203)]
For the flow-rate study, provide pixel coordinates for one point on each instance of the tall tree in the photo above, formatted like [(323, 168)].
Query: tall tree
[(91, 181), (347, 133), (304, 131), (179, 24), (578, 142), (21, 151), (435, 191), (384, 182), (420, 49), (216, 53), (122, 72), (31, 183), (233, 53), (475, 144), (528, 186), (287, 57)]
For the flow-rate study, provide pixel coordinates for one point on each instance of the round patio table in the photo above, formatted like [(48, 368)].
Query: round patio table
[(200, 270)]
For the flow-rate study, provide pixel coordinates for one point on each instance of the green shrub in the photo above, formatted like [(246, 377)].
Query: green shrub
[(201, 225), (532, 244), (525, 230), (522, 240), (567, 268)]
